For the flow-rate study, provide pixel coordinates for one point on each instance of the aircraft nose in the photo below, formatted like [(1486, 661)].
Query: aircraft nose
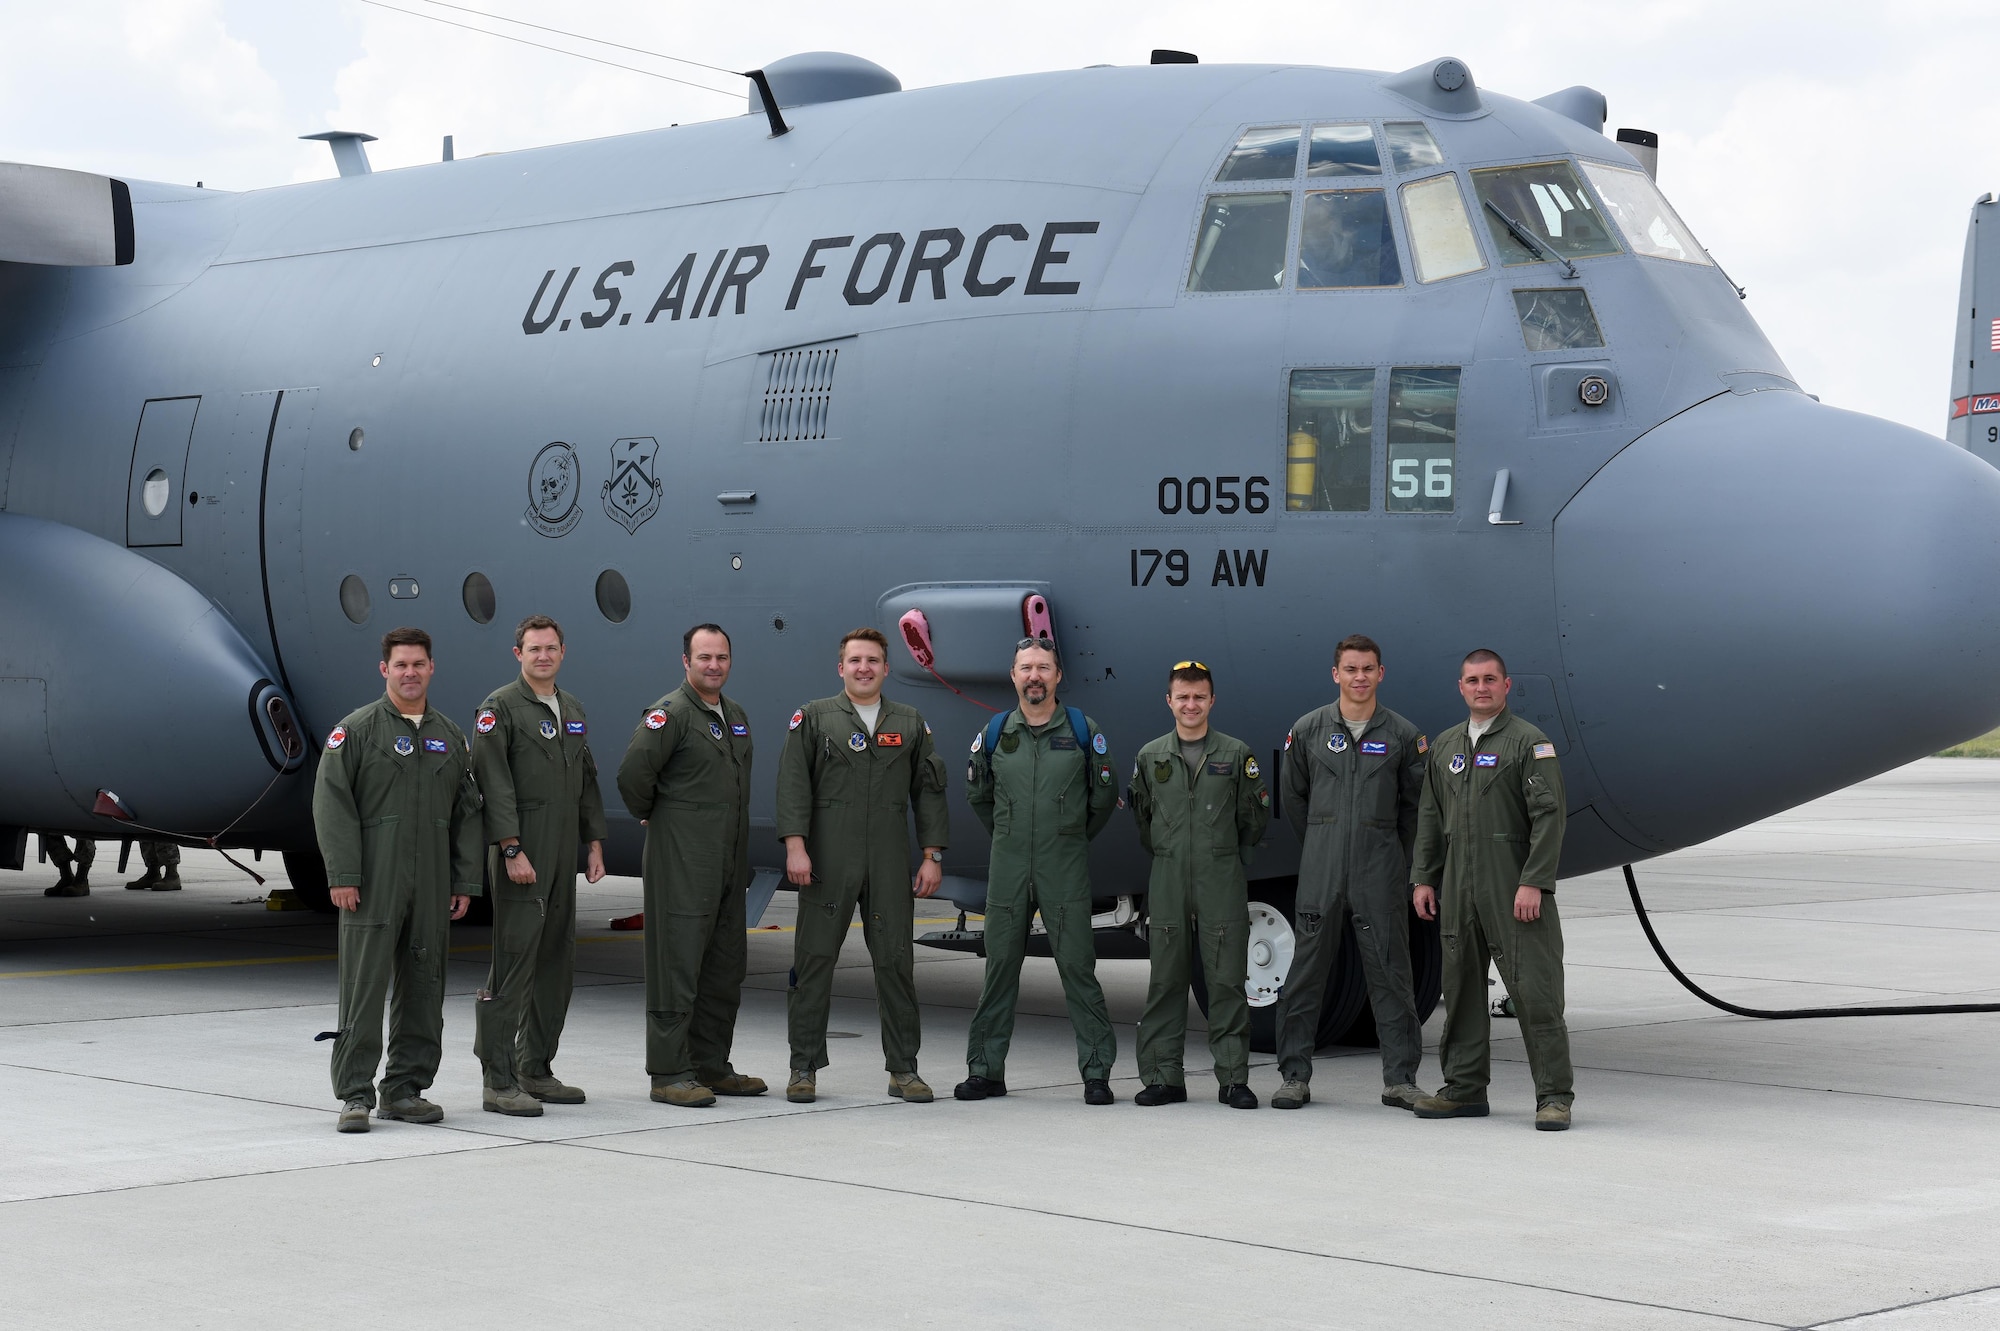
[(1763, 599)]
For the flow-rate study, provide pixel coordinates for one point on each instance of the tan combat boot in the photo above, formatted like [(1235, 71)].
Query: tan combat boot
[(1401, 1096), (512, 1101), (803, 1087), (1292, 1095), (1552, 1118), (552, 1090), (353, 1117), (736, 1084), (689, 1094), (909, 1086)]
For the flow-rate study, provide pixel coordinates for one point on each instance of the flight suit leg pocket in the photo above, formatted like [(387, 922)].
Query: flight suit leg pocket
[(822, 923), (1225, 951)]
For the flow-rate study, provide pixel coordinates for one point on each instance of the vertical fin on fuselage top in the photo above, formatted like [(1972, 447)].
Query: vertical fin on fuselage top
[(1975, 354)]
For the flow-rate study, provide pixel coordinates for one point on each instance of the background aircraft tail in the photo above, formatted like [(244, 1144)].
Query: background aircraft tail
[(1975, 356)]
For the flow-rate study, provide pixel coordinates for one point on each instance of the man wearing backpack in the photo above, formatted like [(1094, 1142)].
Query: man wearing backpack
[(1040, 779)]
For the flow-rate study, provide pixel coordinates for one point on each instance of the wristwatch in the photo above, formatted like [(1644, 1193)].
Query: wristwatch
[(934, 856), (512, 852)]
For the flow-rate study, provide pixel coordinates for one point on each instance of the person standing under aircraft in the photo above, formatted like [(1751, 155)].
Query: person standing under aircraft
[(1489, 837), (1202, 808), (686, 777), (1353, 774), (1040, 780), (397, 816), (853, 767), (72, 866), (531, 755), (163, 868)]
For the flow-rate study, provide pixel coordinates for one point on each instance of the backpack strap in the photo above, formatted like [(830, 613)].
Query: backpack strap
[(1079, 728), (993, 729)]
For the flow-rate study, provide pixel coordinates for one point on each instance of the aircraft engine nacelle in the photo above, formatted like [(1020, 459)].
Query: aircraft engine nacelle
[(117, 676)]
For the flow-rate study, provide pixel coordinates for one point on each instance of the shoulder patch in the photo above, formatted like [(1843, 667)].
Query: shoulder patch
[(978, 740), (1545, 750), (337, 738), (486, 720), (1250, 768), (656, 719), (1098, 743), (1288, 741), (1423, 744), (798, 719)]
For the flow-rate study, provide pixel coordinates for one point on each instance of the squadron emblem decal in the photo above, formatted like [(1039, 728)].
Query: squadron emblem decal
[(548, 730), (633, 493), (656, 719), (337, 738), (486, 720), (554, 481), (405, 745)]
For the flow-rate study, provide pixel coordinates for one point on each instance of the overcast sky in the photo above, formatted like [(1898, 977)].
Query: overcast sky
[(1827, 154)]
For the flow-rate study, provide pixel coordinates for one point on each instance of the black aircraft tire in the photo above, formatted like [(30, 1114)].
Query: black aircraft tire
[(307, 872)]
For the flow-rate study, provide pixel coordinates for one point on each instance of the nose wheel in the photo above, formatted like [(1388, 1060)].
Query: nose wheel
[(1345, 1017)]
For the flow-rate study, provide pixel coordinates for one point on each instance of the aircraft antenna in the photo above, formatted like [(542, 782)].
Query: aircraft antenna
[(543, 46)]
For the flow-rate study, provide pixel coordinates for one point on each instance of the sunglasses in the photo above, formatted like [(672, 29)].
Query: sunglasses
[(1189, 665)]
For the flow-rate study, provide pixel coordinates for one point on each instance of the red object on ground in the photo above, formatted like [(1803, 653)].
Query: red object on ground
[(628, 923)]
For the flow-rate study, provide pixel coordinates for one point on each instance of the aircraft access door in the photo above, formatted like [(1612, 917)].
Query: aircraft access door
[(154, 494)]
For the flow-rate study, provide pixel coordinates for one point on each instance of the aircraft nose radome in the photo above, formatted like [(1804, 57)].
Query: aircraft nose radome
[(1764, 599)]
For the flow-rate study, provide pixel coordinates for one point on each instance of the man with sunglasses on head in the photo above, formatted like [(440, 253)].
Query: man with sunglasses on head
[(1353, 774), (1202, 807), (1040, 779)]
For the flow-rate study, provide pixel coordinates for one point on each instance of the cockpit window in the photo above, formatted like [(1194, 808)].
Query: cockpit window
[(1649, 222), (1549, 204), (1345, 241), (1263, 154), (1411, 147), (1343, 150), (1441, 242), (1557, 320), (1241, 245)]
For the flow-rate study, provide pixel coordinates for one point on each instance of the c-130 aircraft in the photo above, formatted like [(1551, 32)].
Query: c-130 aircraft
[(1170, 361)]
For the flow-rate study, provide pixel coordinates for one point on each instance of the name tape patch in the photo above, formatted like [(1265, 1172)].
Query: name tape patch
[(1487, 760), (739, 729), (1374, 746), (889, 741), (436, 746), (576, 727)]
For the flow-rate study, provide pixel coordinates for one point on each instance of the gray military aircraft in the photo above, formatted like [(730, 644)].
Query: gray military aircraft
[(1174, 360)]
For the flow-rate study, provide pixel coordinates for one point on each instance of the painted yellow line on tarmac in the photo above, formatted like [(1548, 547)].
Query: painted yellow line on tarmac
[(316, 956)]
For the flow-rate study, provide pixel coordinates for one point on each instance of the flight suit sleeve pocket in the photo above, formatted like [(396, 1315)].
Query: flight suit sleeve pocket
[(1541, 798), (933, 772)]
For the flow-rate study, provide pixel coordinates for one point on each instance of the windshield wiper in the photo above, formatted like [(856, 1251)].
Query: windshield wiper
[(1527, 239)]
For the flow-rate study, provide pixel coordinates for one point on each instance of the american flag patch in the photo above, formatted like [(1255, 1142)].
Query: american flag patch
[(1545, 750)]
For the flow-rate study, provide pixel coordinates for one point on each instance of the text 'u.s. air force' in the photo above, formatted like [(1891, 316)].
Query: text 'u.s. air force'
[(935, 265)]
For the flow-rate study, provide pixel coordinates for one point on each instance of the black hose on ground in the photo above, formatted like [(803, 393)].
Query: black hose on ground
[(1783, 1014)]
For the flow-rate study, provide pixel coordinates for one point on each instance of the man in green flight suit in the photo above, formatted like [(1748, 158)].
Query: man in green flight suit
[(397, 816), (686, 776), (1489, 836), (531, 755), (853, 767), (1202, 808), (1043, 788), (1353, 773)]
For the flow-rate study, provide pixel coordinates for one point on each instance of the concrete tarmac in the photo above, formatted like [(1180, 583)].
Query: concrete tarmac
[(168, 1158)]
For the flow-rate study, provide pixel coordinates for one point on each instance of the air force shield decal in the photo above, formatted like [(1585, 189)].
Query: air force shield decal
[(633, 493)]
